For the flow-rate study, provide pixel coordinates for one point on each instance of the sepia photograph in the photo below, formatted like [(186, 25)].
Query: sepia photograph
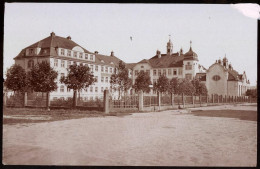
[(111, 84)]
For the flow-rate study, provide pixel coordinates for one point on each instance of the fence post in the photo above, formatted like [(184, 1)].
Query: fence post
[(193, 100), (141, 100), (159, 100), (200, 99), (218, 98), (25, 99), (207, 99), (212, 98), (106, 101), (172, 95), (183, 100)]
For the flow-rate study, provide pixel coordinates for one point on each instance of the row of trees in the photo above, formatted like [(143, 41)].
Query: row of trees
[(174, 85), (42, 78)]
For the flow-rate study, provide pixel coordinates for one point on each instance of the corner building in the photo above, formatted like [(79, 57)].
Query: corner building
[(61, 53), (172, 65)]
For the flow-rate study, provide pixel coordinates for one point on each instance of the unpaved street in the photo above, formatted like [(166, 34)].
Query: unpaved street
[(167, 138)]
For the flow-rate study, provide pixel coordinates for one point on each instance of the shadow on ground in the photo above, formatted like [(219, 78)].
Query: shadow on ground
[(240, 114)]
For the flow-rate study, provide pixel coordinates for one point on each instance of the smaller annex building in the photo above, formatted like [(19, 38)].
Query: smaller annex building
[(222, 79)]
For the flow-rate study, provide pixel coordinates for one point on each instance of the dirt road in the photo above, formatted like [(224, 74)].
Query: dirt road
[(168, 138)]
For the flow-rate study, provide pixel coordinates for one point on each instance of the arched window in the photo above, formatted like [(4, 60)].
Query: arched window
[(30, 63), (62, 88)]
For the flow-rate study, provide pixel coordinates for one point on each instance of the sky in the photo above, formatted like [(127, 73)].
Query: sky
[(215, 30)]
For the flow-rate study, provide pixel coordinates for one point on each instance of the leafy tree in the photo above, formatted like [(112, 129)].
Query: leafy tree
[(199, 87), (162, 85), (142, 82), (252, 93), (174, 85), (120, 79), (16, 80), (79, 77), (42, 79), (186, 87)]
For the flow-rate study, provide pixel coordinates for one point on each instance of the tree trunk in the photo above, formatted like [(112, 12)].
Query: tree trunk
[(74, 99), (48, 101)]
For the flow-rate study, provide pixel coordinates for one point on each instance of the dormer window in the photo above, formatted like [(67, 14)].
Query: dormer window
[(30, 51), (62, 52), (80, 55), (69, 53), (75, 54), (112, 63), (91, 57), (86, 56), (102, 61)]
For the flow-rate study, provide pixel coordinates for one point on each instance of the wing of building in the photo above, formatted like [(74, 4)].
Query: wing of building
[(224, 80), (172, 65), (61, 52)]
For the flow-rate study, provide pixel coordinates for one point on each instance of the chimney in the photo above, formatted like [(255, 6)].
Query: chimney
[(112, 53), (96, 52), (69, 37), (158, 53), (52, 34)]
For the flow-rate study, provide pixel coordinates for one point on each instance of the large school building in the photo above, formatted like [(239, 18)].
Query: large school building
[(60, 52)]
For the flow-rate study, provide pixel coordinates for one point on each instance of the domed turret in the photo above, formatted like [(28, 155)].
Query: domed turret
[(190, 55)]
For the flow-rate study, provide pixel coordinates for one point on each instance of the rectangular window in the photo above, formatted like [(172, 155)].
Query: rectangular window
[(106, 79), (91, 68), (91, 57), (115, 70), (102, 79), (75, 54), (169, 71), (111, 70), (68, 63), (96, 68), (154, 72), (69, 53), (56, 62), (80, 55), (91, 97), (68, 89), (188, 67), (86, 89), (62, 52), (86, 56), (106, 69), (180, 71), (62, 63), (174, 72), (96, 89), (159, 72), (154, 91), (102, 68), (91, 89), (102, 89), (96, 79), (136, 72), (164, 72)]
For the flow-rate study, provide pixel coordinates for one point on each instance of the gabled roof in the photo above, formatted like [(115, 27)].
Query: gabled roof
[(173, 60), (48, 46), (233, 75), (130, 65), (108, 60)]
